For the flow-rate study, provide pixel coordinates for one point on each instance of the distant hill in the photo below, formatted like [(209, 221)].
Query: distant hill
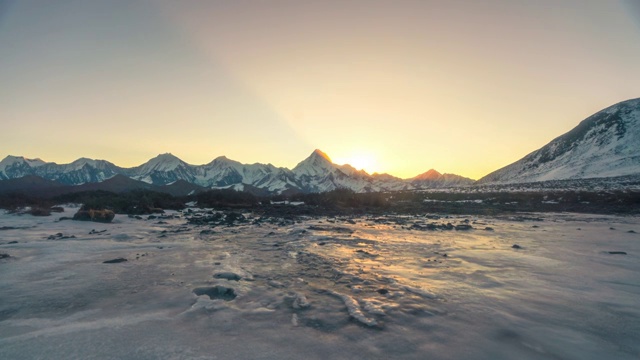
[(433, 179), (117, 184), (605, 145), (181, 188), (35, 185), (31, 184)]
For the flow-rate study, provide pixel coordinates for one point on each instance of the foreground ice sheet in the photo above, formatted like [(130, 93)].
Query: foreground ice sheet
[(362, 288)]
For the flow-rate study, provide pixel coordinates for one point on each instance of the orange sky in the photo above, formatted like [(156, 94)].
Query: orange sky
[(464, 87)]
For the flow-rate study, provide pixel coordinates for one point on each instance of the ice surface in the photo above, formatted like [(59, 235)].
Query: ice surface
[(310, 289)]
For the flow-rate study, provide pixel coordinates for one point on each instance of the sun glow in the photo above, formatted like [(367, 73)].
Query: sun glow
[(360, 160)]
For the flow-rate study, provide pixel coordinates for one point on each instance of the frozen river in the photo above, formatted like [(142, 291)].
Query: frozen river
[(321, 288)]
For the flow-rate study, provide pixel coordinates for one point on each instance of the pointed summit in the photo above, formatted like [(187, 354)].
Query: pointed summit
[(317, 163), (321, 154), (432, 174), (167, 157), (223, 161)]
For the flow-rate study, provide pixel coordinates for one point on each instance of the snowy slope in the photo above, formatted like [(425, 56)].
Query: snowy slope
[(607, 144)]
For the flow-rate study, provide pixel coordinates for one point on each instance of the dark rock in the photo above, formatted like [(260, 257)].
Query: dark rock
[(464, 227), (39, 212), (233, 217), (57, 209), (114, 261), (7, 228), (516, 246), (4, 256), (104, 216), (12, 242), (228, 276), (488, 228), (216, 292), (382, 291), (60, 236), (631, 232), (617, 253)]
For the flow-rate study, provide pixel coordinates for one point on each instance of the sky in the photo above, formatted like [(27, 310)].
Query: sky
[(401, 87)]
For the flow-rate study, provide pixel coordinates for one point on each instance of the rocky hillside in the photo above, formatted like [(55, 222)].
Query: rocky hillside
[(606, 144)]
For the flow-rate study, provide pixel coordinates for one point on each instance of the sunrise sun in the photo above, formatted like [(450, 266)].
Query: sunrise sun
[(360, 160)]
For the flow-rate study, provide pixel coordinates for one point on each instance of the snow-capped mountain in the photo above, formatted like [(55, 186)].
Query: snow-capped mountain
[(163, 169), (606, 144), (224, 173), (317, 173), (80, 171), (13, 167)]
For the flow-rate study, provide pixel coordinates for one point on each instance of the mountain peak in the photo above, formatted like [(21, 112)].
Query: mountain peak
[(432, 174), (223, 161), (167, 156), (317, 163), (163, 162), (11, 159), (321, 154)]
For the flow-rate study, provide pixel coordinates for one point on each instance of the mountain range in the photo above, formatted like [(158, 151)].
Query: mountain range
[(317, 173), (605, 145)]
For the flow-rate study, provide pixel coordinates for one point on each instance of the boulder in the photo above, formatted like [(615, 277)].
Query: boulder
[(103, 216)]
